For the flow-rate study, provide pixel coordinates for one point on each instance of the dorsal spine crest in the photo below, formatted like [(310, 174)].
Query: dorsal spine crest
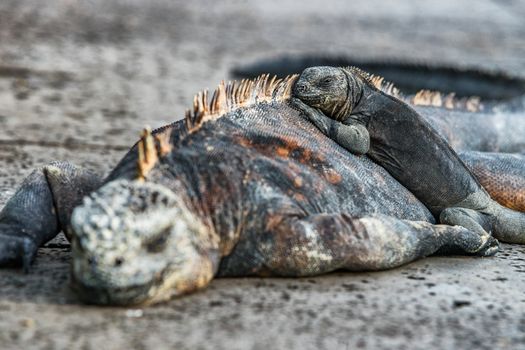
[(232, 95), (422, 97)]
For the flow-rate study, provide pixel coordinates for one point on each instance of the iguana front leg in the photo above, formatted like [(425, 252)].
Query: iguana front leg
[(321, 243), (40, 208), (352, 136)]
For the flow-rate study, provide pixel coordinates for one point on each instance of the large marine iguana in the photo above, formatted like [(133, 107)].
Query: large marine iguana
[(243, 186), (346, 105)]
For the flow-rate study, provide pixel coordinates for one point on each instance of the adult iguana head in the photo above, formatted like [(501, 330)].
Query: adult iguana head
[(138, 242)]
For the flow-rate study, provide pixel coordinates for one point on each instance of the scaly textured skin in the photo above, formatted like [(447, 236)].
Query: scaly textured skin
[(244, 186), (502, 175), (493, 130), (410, 77), (345, 104), (496, 126)]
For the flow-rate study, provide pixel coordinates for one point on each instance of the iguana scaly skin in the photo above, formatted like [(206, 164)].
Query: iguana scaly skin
[(345, 104), (243, 186), (491, 121), (411, 77)]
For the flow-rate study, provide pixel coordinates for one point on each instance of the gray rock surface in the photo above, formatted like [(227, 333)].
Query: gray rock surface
[(79, 79)]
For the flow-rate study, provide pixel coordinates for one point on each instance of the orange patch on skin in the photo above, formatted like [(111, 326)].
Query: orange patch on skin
[(290, 145), (282, 151), (243, 141), (298, 181), (273, 221), (508, 198), (333, 177), (506, 189), (307, 155), (299, 197)]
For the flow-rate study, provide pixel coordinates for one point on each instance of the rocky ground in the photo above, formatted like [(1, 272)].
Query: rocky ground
[(79, 79)]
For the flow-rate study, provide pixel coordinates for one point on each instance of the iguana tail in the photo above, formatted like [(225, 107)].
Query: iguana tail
[(509, 225)]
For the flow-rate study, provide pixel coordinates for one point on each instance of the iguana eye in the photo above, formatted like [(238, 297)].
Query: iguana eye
[(327, 80), (157, 243)]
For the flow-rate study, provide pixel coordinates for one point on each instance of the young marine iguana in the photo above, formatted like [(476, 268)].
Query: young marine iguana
[(473, 109), (346, 106), (410, 76), (243, 186)]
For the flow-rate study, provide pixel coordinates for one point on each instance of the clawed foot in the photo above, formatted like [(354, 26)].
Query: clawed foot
[(352, 137), (316, 117), (477, 244), (16, 250), (490, 248)]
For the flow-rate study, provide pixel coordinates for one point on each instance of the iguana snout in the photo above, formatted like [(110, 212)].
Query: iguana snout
[(135, 242), (332, 90), (321, 87)]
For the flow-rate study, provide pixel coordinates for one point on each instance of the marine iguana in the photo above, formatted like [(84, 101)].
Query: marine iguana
[(345, 105), (473, 109), (491, 86), (243, 186)]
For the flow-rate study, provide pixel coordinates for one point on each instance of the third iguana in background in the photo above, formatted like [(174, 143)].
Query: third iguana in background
[(346, 105)]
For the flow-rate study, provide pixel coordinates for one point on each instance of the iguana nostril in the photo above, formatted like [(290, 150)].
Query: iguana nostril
[(119, 261)]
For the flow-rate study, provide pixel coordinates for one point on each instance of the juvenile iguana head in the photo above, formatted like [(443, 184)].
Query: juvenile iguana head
[(136, 242), (335, 91)]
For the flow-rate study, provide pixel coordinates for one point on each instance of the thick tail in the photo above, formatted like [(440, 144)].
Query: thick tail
[(409, 77), (509, 225)]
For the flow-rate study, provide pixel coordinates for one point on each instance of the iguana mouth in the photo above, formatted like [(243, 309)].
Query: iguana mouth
[(112, 295), (136, 242), (312, 99)]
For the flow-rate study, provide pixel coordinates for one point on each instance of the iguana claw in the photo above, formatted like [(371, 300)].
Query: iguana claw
[(490, 248), (323, 123)]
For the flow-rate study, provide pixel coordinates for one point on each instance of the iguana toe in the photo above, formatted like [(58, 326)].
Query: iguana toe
[(482, 245), (489, 248), (470, 242), (16, 250)]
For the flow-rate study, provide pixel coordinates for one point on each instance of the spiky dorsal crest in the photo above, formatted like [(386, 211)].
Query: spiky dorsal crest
[(422, 97), (226, 98), (448, 101), (376, 81), (150, 148), (232, 95)]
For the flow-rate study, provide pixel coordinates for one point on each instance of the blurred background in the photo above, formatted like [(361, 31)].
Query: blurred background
[(79, 80), (96, 71)]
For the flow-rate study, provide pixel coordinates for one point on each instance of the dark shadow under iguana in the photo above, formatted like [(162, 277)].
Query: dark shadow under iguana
[(243, 186)]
